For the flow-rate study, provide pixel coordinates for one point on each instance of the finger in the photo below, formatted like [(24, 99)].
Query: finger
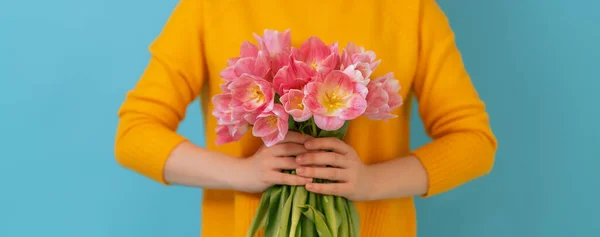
[(295, 137), (337, 189), (275, 177), (329, 143), (282, 163), (323, 158), (287, 149), (328, 173)]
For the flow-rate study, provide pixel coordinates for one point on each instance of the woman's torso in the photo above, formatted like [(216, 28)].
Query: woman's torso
[(389, 28)]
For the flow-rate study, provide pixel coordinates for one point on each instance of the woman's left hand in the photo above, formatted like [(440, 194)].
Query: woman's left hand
[(345, 167)]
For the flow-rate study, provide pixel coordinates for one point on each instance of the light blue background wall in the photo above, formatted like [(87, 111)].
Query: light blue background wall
[(65, 66)]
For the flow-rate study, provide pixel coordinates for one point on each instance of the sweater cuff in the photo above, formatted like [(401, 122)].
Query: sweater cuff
[(453, 160), (148, 151)]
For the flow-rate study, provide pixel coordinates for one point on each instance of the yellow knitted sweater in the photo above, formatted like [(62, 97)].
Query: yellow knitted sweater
[(412, 38)]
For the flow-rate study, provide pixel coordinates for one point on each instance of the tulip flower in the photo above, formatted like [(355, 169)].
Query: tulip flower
[(224, 111), (292, 76), (294, 105), (231, 132), (271, 126), (278, 47), (251, 62), (383, 97), (363, 61), (254, 94), (322, 58), (335, 99)]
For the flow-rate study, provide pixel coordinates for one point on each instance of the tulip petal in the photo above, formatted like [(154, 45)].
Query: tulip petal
[(328, 123), (283, 127), (383, 97), (232, 61), (261, 65), (356, 75), (312, 91), (265, 126), (230, 133), (279, 111), (228, 74), (251, 117), (339, 80), (278, 61), (244, 65), (248, 50), (328, 64), (361, 89), (274, 41), (352, 48), (356, 106), (365, 69), (313, 50)]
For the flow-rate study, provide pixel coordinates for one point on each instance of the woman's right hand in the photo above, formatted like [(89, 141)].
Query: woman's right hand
[(263, 169)]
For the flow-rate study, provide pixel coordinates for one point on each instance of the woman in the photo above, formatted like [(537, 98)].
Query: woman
[(374, 165)]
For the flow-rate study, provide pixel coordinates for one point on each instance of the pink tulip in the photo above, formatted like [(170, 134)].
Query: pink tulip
[(278, 47), (271, 126), (292, 76), (231, 133), (224, 111), (246, 50), (322, 58), (383, 97), (224, 88), (293, 104), (275, 42), (356, 75), (253, 94), (251, 62), (335, 99), (363, 61)]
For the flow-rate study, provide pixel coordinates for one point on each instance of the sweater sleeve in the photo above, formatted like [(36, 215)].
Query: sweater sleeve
[(153, 109), (453, 115)]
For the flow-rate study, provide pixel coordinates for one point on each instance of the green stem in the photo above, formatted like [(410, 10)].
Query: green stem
[(314, 127)]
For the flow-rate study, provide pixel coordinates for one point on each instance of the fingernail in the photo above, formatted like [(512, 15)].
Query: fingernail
[(299, 169), (299, 159)]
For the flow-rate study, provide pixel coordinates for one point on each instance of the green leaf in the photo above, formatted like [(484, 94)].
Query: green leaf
[(285, 193), (272, 220), (319, 205), (333, 218), (354, 218), (261, 214), (298, 233), (317, 217), (340, 133), (292, 124), (308, 226), (340, 206), (285, 214), (300, 197)]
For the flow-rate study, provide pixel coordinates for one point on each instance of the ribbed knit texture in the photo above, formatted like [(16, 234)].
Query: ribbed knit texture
[(412, 38)]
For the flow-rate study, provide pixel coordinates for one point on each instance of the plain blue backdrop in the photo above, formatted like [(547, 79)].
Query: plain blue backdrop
[(65, 66)]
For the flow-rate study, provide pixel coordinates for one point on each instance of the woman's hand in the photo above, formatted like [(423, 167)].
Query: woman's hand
[(263, 169), (352, 176)]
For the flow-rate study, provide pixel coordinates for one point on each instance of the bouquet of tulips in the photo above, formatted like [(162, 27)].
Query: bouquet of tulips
[(315, 89)]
